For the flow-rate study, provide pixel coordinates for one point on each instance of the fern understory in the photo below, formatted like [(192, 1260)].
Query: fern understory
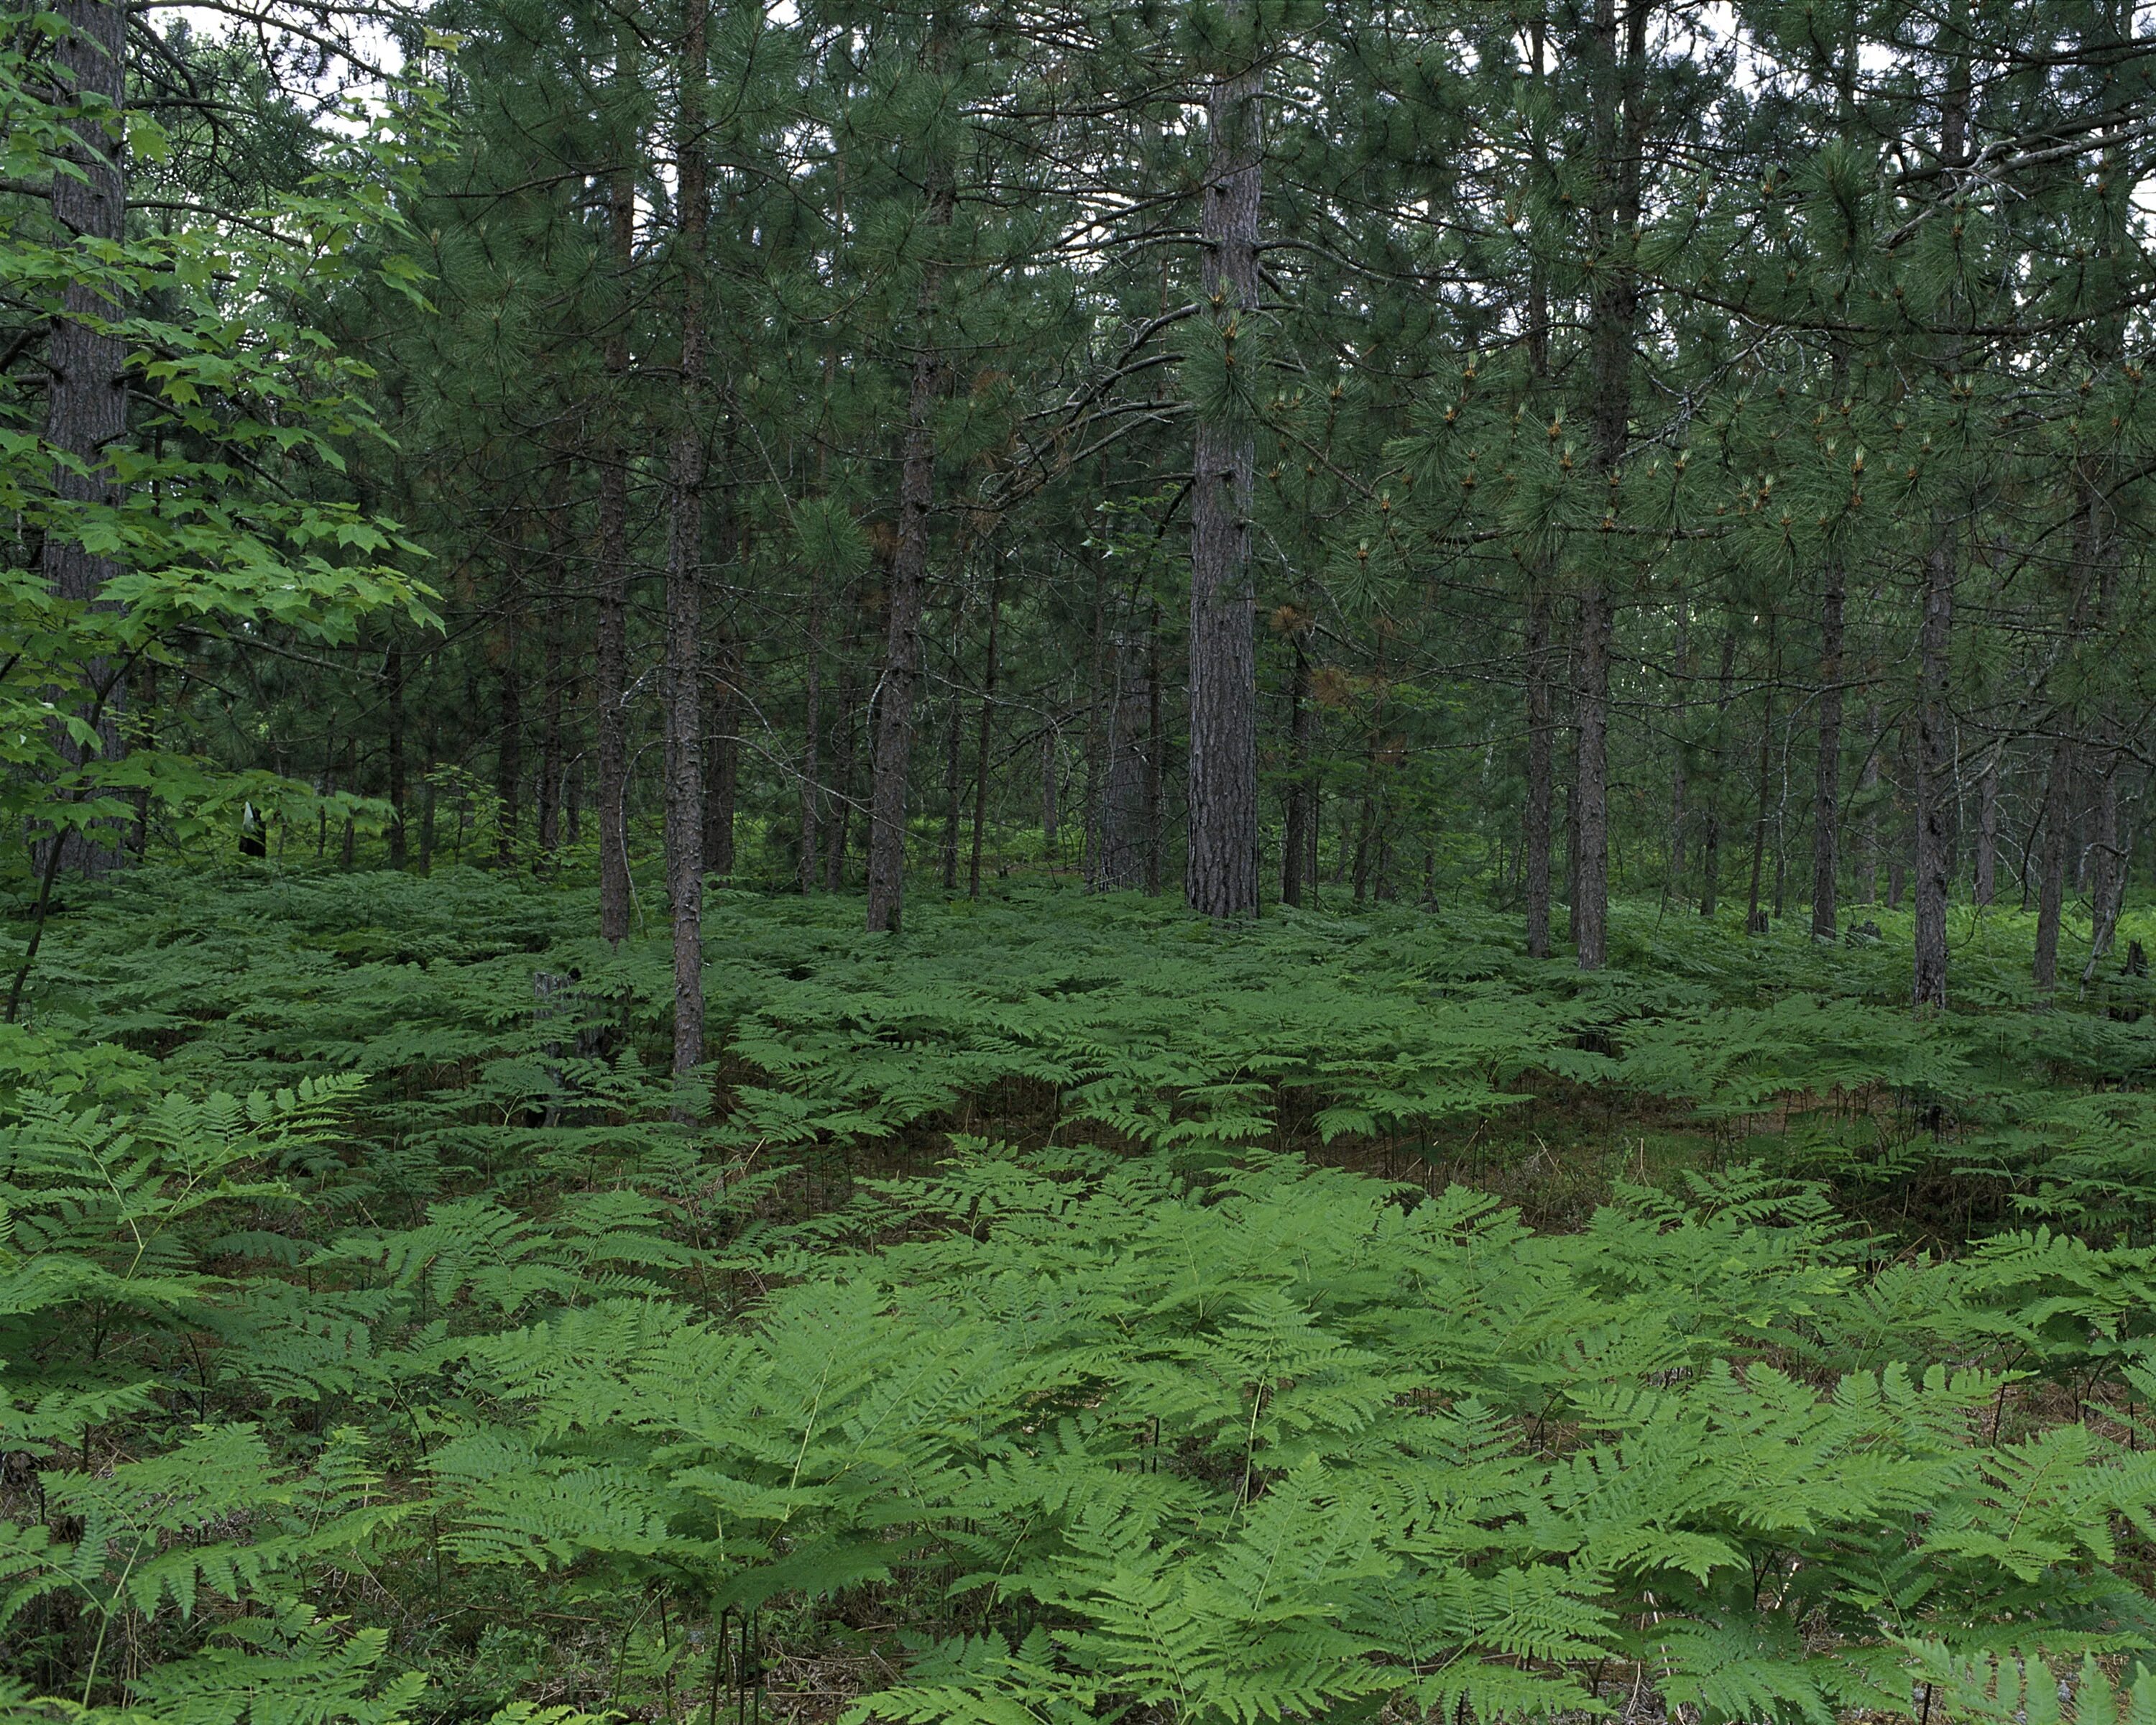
[(1071, 1311)]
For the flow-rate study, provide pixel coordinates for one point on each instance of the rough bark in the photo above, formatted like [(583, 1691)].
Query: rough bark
[(916, 501), (1986, 881), (1220, 866), (397, 788), (1535, 818), (983, 740), (85, 386), (1935, 799), (1293, 844), (685, 576), (1619, 78), (812, 740), (610, 646)]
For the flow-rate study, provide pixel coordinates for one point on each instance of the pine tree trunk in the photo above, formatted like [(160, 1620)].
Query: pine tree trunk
[(393, 679), (509, 746), (1867, 787), (1156, 757), (954, 785), (1613, 317), (1754, 922), (550, 743), (1711, 837), (1220, 865), (2107, 867), (1935, 804), (984, 740), (1121, 860), (610, 652), (1294, 843), (1051, 768), (1680, 771), (917, 500), (2051, 868), (812, 762), (1986, 884), (85, 390), (1826, 777), (684, 579), (1541, 778)]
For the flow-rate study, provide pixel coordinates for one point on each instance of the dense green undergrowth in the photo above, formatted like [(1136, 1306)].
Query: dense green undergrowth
[(1071, 1311)]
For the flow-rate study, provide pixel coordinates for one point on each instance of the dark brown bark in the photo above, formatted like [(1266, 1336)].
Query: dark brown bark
[(1935, 787), (685, 576), (1220, 865), (1986, 883), (954, 784), (509, 723), (812, 740), (1709, 887), (983, 740), (908, 588), (1535, 821), (86, 386), (392, 680), (1754, 922), (722, 722), (555, 690), (610, 655), (1294, 845), (1618, 76), (1826, 777), (2051, 868)]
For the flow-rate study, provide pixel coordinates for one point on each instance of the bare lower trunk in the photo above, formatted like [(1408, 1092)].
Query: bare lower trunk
[(722, 753), (610, 646), (1220, 867), (85, 397), (901, 671), (982, 741), (1986, 883), (1120, 854), (550, 745), (684, 586), (954, 784), (1051, 769), (1293, 843), (400, 793), (2108, 870), (812, 760), (1535, 818), (2051, 868), (509, 744), (1935, 800), (1711, 837), (1826, 777)]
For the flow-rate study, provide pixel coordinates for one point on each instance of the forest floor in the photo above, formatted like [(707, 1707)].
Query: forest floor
[(1068, 1307)]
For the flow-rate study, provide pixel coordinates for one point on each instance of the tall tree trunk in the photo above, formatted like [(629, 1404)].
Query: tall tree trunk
[(954, 785), (685, 578), (1826, 777), (1619, 78), (917, 500), (1867, 788), (1541, 778), (845, 749), (1293, 843), (1710, 886), (1754, 922), (812, 750), (1680, 771), (984, 740), (509, 744), (1156, 759), (1986, 883), (610, 651), (2107, 869), (393, 679), (1121, 862), (550, 741), (1935, 802), (1220, 866), (1051, 773), (2051, 868), (85, 387)]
